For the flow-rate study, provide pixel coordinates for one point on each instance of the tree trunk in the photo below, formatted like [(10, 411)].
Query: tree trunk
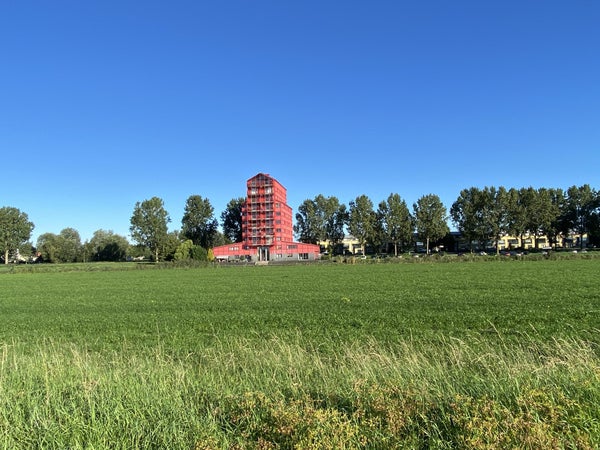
[(5, 256)]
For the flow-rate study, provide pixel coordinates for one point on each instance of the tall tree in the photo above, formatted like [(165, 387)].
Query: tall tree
[(495, 210), (321, 220), (149, 225), (543, 213), (519, 202), (231, 220), (581, 204), (335, 218), (361, 222), (396, 220), (557, 198), (465, 214), (309, 227), (430, 219), (15, 230), (198, 223)]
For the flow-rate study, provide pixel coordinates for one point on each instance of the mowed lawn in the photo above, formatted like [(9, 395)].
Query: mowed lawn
[(479, 354), (389, 302)]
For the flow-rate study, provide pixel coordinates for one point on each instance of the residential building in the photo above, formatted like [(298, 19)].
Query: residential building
[(267, 227)]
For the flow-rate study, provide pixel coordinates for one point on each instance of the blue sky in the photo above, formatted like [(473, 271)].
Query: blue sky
[(106, 103)]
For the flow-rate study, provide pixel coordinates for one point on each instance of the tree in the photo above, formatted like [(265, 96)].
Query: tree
[(361, 222), (231, 220), (149, 225), (15, 230), (198, 223), (107, 246), (581, 205), (184, 251), (430, 219), (170, 245), (334, 217), (188, 251), (465, 216), (495, 213), (481, 214), (48, 246), (309, 227), (557, 198), (64, 247), (518, 204), (69, 245), (396, 220), (543, 213)]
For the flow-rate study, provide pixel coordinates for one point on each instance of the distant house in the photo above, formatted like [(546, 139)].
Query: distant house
[(267, 227)]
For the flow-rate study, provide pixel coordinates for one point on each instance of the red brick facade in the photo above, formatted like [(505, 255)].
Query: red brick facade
[(267, 226)]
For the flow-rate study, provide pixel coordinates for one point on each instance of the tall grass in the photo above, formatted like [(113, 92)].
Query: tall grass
[(240, 393)]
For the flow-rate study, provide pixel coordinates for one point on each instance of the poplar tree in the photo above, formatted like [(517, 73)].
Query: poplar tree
[(430, 219)]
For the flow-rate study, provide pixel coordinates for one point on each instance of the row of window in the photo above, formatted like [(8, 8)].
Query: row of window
[(268, 190)]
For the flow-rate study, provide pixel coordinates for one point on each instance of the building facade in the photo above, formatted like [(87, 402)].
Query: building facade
[(267, 227)]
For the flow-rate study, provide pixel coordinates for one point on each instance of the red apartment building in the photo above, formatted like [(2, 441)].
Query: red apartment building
[(267, 227)]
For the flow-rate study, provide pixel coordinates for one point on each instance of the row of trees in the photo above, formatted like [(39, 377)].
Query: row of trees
[(485, 215), (199, 228), (325, 219), (480, 215), (148, 229)]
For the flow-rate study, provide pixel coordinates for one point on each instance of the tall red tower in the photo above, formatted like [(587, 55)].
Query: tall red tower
[(267, 226)]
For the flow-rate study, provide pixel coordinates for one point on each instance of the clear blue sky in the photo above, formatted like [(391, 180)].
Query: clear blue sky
[(106, 103)]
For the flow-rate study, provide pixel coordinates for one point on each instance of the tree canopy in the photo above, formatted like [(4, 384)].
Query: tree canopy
[(430, 219), (198, 223), (231, 220), (64, 247), (361, 222), (107, 246), (15, 230), (149, 225), (397, 222)]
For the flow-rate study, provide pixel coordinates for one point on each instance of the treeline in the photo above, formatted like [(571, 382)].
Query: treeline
[(480, 215), (148, 227)]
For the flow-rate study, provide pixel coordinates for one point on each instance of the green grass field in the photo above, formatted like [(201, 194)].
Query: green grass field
[(426, 355)]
